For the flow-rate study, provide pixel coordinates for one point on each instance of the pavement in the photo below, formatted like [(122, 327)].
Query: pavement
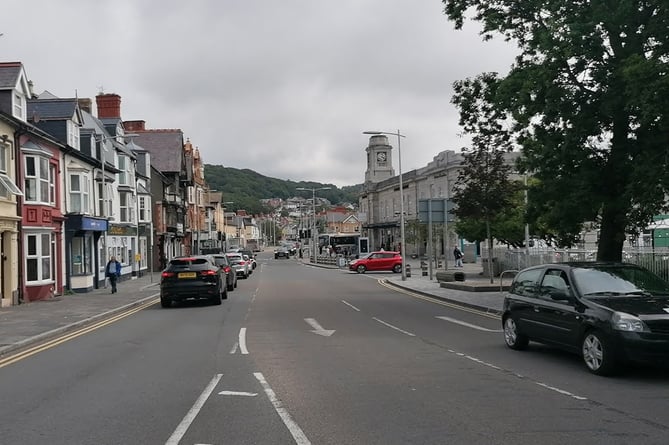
[(31, 323)]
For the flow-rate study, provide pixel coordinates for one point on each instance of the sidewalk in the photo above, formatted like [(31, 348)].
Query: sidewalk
[(26, 324)]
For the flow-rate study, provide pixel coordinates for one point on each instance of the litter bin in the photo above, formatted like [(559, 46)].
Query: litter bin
[(341, 261)]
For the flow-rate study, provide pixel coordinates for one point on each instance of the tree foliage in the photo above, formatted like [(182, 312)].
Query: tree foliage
[(484, 191), (246, 188), (588, 94)]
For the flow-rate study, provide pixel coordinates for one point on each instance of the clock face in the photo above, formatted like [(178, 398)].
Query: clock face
[(381, 156)]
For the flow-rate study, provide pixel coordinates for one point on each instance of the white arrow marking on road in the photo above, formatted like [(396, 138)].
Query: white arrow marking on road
[(237, 393), (318, 329), (473, 326)]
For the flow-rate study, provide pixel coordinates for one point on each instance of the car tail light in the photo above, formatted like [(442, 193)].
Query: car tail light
[(167, 274), (208, 272), (241, 263), (227, 269)]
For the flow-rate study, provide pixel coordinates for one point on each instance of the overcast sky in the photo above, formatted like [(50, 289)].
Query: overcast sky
[(285, 88)]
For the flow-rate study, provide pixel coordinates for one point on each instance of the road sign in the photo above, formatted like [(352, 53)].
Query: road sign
[(439, 208)]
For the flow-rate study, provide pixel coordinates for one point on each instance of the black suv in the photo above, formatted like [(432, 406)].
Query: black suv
[(195, 277), (608, 313)]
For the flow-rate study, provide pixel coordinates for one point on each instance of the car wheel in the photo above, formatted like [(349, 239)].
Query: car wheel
[(597, 355), (397, 268), (164, 302), (235, 284), (361, 269), (230, 286), (224, 294), (513, 338), (216, 299)]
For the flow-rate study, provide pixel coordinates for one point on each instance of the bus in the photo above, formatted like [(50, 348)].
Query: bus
[(343, 243)]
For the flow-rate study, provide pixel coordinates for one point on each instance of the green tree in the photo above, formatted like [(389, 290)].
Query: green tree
[(483, 190), (589, 93)]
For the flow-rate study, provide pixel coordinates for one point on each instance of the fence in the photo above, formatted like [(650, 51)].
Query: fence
[(655, 260)]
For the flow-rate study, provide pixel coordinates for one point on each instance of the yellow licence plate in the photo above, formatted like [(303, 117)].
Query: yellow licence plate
[(187, 275)]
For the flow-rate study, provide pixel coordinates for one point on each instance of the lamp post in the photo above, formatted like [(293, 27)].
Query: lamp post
[(399, 156), (225, 232), (313, 207)]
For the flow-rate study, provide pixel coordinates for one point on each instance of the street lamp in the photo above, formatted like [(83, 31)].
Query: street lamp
[(225, 231), (399, 156), (313, 207)]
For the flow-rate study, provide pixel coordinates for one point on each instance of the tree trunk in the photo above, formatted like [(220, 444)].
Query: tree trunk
[(611, 235)]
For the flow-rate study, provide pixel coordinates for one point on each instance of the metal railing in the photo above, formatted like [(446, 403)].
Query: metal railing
[(655, 260)]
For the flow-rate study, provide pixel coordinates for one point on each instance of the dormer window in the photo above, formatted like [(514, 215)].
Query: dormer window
[(19, 106), (73, 135)]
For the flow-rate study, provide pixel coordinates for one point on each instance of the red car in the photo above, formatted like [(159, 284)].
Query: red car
[(382, 260)]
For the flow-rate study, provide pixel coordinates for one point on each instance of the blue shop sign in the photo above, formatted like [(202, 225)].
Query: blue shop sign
[(98, 225)]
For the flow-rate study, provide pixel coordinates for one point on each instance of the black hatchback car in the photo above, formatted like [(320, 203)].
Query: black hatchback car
[(609, 313), (192, 278)]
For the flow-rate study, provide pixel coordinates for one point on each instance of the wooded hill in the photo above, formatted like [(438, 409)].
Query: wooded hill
[(245, 188)]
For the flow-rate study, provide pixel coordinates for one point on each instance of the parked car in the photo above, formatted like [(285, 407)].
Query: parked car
[(281, 252), (609, 313), (239, 264), (194, 277), (224, 263), (374, 261), (251, 256)]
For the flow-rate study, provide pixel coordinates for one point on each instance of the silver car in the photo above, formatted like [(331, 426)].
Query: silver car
[(241, 266)]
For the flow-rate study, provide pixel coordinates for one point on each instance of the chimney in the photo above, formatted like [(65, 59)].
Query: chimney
[(86, 105), (134, 126), (109, 105)]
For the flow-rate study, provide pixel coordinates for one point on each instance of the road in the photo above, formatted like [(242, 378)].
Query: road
[(302, 355)]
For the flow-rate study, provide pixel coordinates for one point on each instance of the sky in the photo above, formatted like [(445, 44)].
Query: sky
[(285, 88)]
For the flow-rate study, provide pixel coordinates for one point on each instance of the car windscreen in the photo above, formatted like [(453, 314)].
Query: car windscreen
[(220, 261), (618, 280)]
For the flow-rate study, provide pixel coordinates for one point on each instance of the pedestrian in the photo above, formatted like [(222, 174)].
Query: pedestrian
[(457, 254), (113, 271)]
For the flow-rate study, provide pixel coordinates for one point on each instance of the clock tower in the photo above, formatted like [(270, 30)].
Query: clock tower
[(379, 159)]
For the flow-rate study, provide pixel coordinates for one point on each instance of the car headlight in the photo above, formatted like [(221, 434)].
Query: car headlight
[(626, 322)]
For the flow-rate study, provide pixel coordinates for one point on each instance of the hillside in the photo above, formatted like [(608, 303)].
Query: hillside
[(245, 188)]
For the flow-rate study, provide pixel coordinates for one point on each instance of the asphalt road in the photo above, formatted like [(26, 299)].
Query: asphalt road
[(301, 355)]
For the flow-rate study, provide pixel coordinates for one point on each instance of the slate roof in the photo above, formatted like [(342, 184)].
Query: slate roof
[(9, 74), (52, 109), (165, 146)]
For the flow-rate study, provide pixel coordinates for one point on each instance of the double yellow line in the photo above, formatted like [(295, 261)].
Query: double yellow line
[(43, 346)]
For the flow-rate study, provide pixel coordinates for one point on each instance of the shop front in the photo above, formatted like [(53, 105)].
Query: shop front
[(82, 235)]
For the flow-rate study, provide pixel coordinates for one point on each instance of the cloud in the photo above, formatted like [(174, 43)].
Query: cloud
[(283, 88)]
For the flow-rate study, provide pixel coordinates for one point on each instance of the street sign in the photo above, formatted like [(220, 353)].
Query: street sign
[(440, 209)]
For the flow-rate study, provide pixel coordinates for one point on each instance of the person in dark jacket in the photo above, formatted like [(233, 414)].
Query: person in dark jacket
[(113, 271)]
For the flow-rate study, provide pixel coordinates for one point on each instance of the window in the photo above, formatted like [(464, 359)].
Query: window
[(19, 106), (79, 193), (38, 257), (73, 135), (38, 183), (81, 255), (123, 173), (144, 214), (127, 207)]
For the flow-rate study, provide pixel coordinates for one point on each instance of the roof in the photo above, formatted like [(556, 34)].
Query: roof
[(52, 109), (165, 146), (10, 72)]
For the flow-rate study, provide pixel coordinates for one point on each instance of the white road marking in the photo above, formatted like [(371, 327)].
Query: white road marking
[(178, 434), (394, 327), (318, 329), (293, 428), (469, 325), (238, 393), (234, 348), (242, 341), (350, 305), (561, 391)]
